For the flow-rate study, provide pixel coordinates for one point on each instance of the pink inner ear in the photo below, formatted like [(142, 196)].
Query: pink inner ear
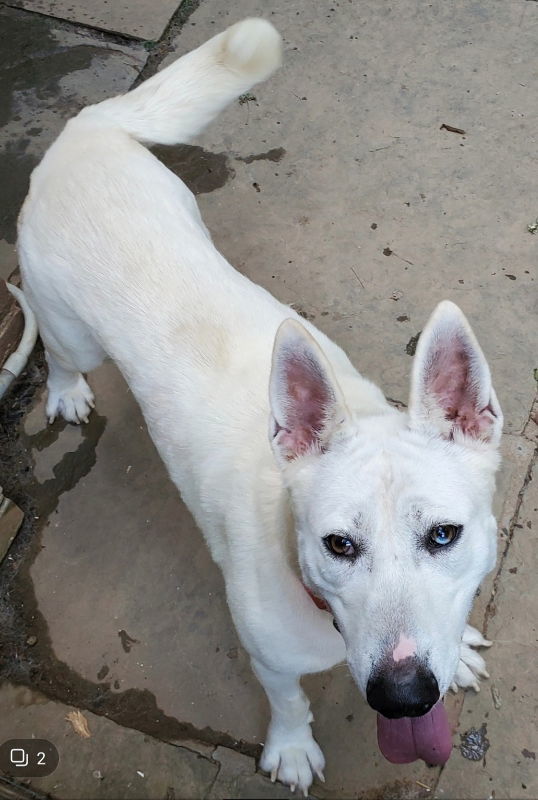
[(308, 398), (450, 379)]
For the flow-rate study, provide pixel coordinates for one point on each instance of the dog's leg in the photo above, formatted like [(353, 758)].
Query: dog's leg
[(68, 393), (70, 350), (471, 665), (291, 753)]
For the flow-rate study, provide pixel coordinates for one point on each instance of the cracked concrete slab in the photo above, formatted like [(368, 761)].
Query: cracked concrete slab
[(117, 762), (238, 778), (48, 74), (141, 19), (110, 761), (113, 762), (507, 704)]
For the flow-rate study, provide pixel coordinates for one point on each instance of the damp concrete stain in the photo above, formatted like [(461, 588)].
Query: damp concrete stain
[(37, 667), (276, 154), (127, 641), (474, 743), (403, 789), (16, 166), (201, 170), (32, 60)]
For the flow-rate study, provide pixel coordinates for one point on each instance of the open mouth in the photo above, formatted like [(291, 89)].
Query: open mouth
[(409, 738)]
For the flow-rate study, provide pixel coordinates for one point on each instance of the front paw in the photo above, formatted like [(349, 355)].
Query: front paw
[(294, 757), (471, 666)]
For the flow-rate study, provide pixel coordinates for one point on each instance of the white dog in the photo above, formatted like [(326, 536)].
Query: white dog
[(318, 500)]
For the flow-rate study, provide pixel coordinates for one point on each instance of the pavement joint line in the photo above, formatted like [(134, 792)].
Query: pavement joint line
[(531, 419), (11, 789), (217, 774), (218, 739), (164, 44), (511, 529), (192, 750), (80, 28)]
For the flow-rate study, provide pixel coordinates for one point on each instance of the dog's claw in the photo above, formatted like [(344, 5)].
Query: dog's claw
[(471, 665), (72, 401), (295, 762), (320, 775)]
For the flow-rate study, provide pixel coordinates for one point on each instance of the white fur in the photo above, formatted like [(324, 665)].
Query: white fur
[(116, 260)]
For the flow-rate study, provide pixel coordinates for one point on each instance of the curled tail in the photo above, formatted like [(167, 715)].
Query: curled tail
[(177, 103)]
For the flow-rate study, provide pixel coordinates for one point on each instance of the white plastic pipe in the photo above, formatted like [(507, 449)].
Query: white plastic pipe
[(17, 360)]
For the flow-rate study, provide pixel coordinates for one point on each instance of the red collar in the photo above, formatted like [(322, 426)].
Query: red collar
[(317, 600)]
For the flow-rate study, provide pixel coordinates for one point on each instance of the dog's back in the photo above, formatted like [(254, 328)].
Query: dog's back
[(114, 255), (116, 259)]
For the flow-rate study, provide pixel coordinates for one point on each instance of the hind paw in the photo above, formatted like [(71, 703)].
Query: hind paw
[(72, 402), (471, 666)]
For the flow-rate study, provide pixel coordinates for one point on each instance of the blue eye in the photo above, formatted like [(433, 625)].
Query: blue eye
[(441, 535)]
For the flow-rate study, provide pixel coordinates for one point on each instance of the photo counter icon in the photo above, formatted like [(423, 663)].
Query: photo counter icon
[(28, 758), (19, 757)]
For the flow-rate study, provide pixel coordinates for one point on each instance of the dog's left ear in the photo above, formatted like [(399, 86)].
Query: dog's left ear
[(306, 402), (451, 391)]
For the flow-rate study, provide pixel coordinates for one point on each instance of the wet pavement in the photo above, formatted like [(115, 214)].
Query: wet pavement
[(334, 187)]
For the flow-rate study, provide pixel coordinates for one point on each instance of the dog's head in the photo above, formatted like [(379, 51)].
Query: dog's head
[(393, 510)]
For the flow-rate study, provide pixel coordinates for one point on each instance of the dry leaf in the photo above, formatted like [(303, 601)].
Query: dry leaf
[(79, 723)]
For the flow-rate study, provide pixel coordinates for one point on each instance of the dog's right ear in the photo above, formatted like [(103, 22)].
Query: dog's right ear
[(306, 402)]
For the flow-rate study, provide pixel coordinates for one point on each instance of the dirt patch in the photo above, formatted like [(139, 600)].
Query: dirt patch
[(411, 345), (397, 790)]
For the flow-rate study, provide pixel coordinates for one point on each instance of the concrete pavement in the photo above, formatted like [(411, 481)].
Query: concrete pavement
[(334, 187)]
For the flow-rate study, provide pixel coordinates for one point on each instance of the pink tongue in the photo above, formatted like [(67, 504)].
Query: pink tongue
[(404, 740)]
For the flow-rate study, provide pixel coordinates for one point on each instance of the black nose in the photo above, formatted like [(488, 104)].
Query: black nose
[(404, 689)]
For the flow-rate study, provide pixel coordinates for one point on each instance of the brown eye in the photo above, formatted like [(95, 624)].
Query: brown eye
[(340, 546), (442, 535)]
